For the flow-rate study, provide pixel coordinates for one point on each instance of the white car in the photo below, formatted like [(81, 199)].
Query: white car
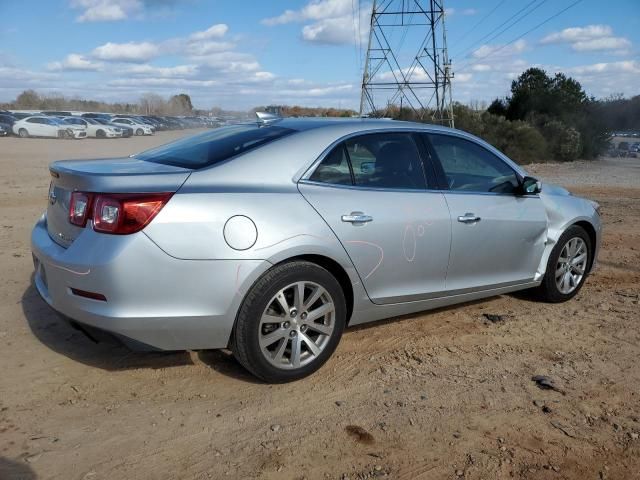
[(138, 128), (42, 126), (95, 129)]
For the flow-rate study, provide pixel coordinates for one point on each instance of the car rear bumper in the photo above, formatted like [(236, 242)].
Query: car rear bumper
[(151, 297)]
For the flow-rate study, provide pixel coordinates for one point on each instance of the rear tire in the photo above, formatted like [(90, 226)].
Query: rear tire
[(23, 133), (567, 267), (290, 322)]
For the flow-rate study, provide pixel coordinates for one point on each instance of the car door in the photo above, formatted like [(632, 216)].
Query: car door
[(371, 190), (35, 126), (498, 235)]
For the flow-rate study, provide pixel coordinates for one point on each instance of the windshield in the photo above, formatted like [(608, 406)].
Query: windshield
[(214, 147)]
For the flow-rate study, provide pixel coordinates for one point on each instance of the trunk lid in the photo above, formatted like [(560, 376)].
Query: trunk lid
[(112, 175)]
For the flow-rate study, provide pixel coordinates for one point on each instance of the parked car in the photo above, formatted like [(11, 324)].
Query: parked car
[(7, 121), (94, 128), (156, 124), (55, 113), (74, 130), (270, 238), (126, 131), (139, 119), (22, 115), (3, 131), (173, 123), (138, 128), (98, 116), (42, 126)]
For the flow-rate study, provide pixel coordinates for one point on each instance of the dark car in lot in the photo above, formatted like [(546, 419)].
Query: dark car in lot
[(7, 121), (173, 123), (21, 115)]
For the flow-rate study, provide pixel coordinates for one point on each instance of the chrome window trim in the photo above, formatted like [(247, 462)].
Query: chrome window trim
[(426, 130), (410, 190), (358, 187), (305, 177)]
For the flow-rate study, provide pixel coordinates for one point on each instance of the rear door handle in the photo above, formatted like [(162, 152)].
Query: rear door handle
[(357, 217), (469, 218)]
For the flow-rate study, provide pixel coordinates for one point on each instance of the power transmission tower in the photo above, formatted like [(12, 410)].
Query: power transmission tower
[(393, 78)]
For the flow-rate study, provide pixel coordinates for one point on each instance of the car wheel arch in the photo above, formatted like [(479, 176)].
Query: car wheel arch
[(329, 264), (591, 232)]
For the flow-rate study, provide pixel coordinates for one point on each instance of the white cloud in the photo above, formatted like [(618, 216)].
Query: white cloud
[(314, 10), (333, 22), (76, 62), (462, 78), (624, 66), (589, 38), (105, 10), (454, 11), (499, 50), (607, 43), (179, 71), (215, 31), (206, 48), (330, 31), (126, 52), (577, 34)]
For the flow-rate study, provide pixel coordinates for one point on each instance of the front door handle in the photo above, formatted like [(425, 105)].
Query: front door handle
[(468, 218), (357, 217)]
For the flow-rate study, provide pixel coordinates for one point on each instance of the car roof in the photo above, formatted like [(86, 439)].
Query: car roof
[(354, 124)]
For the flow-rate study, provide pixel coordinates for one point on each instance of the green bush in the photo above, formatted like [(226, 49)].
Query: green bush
[(518, 140), (564, 141)]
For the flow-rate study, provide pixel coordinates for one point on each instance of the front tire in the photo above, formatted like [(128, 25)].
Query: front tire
[(290, 322), (101, 134), (22, 133), (139, 132), (567, 267)]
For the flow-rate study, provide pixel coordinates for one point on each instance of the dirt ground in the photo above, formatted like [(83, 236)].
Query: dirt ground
[(444, 394)]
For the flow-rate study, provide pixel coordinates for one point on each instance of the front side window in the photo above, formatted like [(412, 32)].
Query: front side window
[(381, 160), (215, 146), (471, 167)]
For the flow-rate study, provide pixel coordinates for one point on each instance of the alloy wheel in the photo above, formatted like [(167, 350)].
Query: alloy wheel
[(296, 325), (571, 265)]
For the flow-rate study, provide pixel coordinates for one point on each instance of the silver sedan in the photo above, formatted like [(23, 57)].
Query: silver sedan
[(270, 238)]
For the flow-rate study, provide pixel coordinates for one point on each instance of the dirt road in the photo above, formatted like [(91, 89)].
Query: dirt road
[(445, 394)]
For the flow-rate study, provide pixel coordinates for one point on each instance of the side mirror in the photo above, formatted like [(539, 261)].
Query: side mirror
[(530, 186)]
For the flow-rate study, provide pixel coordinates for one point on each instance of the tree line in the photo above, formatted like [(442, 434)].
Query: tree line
[(545, 118), (148, 104)]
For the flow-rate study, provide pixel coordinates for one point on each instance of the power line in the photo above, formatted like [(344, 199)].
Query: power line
[(481, 20), (481, 39), (520, 36)]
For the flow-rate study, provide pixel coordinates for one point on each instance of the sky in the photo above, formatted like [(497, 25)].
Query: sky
[(244, 53)]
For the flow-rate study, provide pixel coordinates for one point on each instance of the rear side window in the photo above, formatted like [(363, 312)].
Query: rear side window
[(334, 168), (380, 160), (215, 146)]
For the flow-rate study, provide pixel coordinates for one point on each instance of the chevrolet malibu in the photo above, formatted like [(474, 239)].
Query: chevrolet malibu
[(270, 238)]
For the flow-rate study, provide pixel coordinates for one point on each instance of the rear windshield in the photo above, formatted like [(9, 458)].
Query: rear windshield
[(215, 146)]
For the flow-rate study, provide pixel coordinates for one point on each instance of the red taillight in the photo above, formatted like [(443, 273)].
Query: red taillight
[(116, 213), (122, 214), (79, 208)]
